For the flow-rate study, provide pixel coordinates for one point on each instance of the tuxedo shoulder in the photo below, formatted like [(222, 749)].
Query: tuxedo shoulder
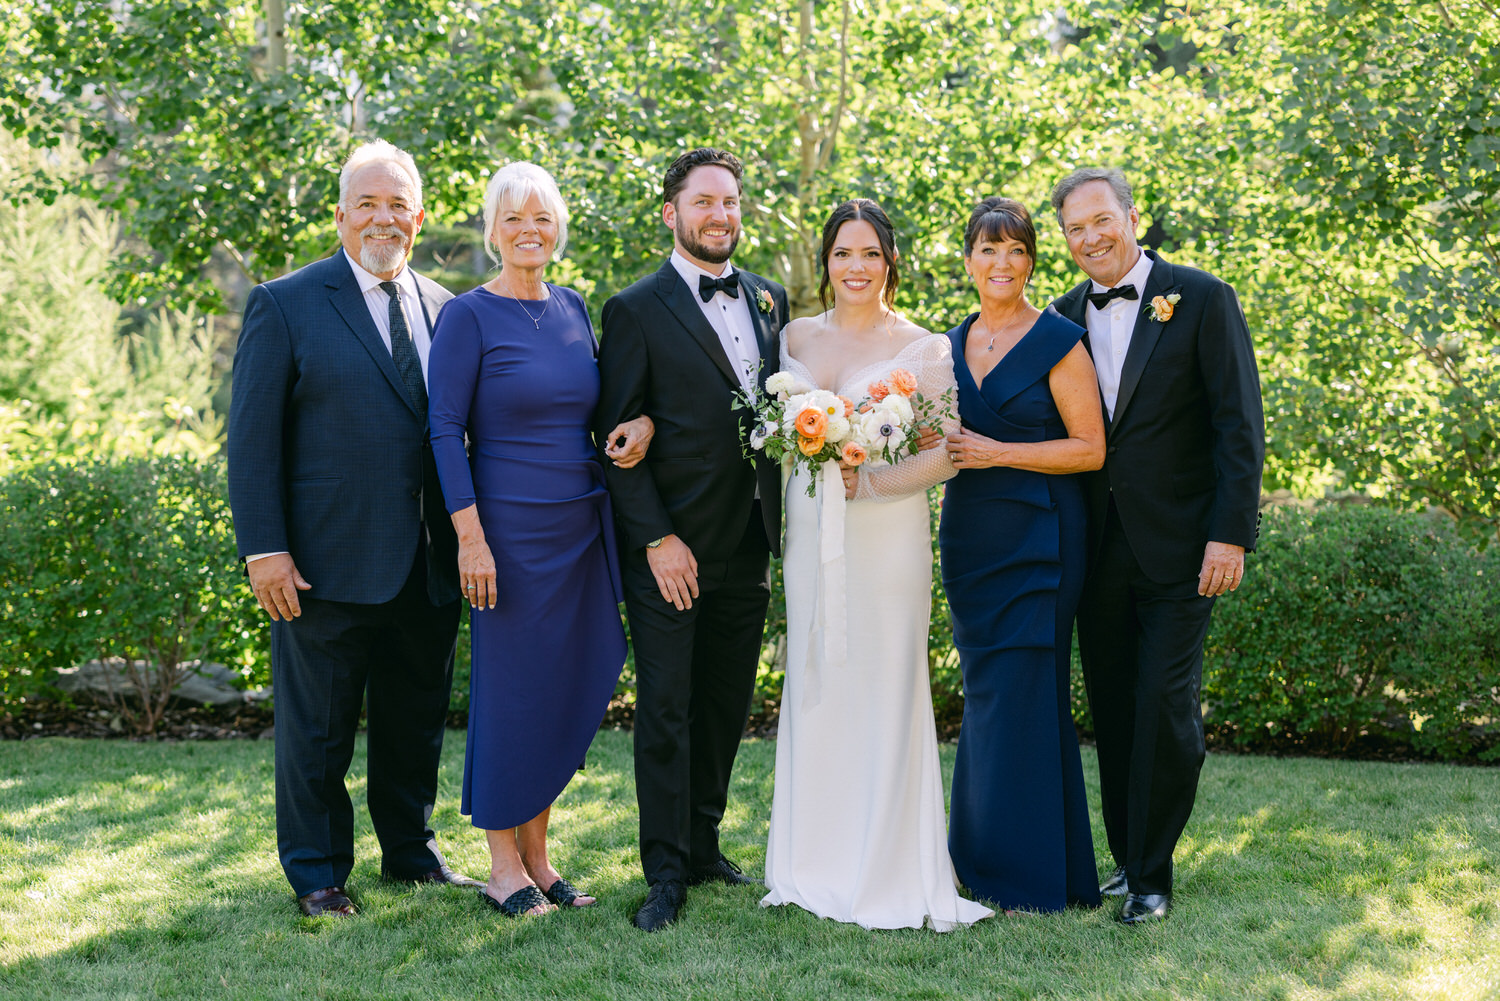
[(1186, 274)]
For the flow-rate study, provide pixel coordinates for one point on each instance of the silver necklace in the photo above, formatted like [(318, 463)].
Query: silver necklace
[(536, 321)]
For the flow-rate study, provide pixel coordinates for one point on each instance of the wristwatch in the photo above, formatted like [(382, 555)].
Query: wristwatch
[(656, 544)]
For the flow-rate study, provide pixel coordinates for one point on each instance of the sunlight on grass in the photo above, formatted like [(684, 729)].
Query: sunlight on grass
[(139, 870)]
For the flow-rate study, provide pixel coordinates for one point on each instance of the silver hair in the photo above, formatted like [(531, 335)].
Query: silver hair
[(511, 186), (377, 151), (1082, 176)]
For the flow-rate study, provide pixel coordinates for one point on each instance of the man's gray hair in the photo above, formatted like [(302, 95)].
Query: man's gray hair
[(1082, 176), (511, 187), (378, 151)]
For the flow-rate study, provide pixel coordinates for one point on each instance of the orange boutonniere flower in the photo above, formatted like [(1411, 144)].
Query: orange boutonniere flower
[(764, 301), (1163, 306)]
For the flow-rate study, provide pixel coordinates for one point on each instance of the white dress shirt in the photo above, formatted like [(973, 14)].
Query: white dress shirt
[(730, 319), (1110, 329), (380, 311)]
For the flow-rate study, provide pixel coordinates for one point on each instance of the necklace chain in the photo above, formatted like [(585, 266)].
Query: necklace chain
[(536, 321)]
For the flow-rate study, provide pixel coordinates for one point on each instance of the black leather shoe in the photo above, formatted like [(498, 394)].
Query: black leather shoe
[(1143, 908), (662, 904), (442, 874), (1115, 885), (722, 871), (330, 901)]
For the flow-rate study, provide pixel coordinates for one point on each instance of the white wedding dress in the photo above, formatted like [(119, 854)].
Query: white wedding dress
[(858, 828)]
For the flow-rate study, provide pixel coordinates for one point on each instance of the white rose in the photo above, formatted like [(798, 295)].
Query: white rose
[(838, 429), (898, 405)]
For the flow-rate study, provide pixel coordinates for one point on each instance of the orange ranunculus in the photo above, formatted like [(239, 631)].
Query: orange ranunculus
[(1162, 308), (878, 391), (854, 453), (903, 382), (810, 446), (848, 406), (812, 423)]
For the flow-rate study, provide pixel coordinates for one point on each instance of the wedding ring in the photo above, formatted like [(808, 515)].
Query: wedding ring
[(469, 588)]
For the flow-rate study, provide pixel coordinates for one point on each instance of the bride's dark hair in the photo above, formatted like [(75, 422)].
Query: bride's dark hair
[(870, 212)]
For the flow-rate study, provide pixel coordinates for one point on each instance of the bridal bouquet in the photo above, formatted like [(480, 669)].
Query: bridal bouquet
[(814, 426)]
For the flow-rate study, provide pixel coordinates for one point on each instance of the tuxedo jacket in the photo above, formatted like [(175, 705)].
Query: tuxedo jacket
[(1184, 449), (328, 458), (659, 356)]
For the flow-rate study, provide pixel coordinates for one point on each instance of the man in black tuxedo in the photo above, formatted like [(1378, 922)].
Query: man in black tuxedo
[(1171, 516), (340, 520), (698, 520)]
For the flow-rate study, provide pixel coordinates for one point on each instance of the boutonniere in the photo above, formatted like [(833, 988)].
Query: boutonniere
[(1162, 307), (763, 300)]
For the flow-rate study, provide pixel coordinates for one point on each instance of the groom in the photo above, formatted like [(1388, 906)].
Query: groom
[(698, 520), (1171, 516)]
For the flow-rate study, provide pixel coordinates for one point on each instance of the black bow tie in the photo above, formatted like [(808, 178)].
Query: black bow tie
[(729, 285), (1102, 299)]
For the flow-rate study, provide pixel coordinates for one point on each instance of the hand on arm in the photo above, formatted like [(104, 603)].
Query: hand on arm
[(476, 564), (676, 571), (626, 445), (276, 581), (1223, 569)]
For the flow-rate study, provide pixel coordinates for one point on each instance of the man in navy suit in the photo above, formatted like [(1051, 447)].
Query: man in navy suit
[(1171, 516), (340, 520)]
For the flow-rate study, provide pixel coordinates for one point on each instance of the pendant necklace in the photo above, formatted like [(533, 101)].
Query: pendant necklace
[(536, 321)]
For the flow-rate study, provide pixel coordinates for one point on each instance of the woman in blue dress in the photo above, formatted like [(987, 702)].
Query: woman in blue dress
[(1012, 540), (512, 370)]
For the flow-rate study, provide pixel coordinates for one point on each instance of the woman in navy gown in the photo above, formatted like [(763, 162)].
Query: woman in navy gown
[(512, 369), (1012, 540)]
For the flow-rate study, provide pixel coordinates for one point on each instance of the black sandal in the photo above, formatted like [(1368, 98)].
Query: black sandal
[(562, 893), (517, 903)]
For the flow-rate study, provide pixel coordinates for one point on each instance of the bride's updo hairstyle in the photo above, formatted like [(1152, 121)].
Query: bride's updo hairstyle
[(870, 212), (996, 219)]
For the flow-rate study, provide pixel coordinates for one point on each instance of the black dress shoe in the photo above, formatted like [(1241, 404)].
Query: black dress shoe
[(330, 902), (722, 871), (662, 904), (1115, 885), (1143, 908), (442, 874)]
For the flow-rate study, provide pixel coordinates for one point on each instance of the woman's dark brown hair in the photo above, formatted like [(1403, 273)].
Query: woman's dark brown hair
[(870, 212), (996, 219)]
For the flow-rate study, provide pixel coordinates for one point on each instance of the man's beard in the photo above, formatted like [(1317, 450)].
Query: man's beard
[(381, 258), (690, 243)]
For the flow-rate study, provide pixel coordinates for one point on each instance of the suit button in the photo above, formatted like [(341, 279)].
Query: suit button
[(416, 494)]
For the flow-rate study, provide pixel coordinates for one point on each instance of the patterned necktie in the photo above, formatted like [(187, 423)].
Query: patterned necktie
[(403, 351)]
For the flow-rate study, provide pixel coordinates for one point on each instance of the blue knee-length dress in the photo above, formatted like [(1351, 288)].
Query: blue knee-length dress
[(546, 658), (1013, 555)]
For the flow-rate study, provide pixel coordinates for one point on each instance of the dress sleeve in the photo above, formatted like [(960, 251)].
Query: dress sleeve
[(914, 473), (452, 375)]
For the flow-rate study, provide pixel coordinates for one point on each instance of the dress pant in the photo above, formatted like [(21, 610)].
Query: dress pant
[(322, 665), (695, 675), (1141, 643)]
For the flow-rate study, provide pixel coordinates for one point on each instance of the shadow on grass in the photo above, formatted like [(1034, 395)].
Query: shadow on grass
[(149, 871)]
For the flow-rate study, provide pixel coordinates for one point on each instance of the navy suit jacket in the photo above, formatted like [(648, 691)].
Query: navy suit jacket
[(328, 459), (1184, 449)]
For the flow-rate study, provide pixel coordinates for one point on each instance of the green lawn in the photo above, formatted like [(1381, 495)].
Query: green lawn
[(149, 871)]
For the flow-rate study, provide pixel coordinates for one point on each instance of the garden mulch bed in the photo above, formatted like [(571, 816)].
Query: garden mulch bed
[(256, 721)]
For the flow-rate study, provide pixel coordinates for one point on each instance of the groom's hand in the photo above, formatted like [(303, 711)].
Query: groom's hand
[(1223, 569), (675, 570)]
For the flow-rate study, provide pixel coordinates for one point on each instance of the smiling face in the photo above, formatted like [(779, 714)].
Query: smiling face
[(856, 264), (999, 268), (705, 217), (1100, 232), (381, 219), (524, 235)]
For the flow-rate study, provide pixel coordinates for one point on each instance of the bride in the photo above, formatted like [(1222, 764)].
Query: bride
[(857, 822)]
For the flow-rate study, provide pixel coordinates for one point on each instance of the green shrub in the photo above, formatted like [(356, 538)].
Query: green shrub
[(132, 559), (1358, 622)]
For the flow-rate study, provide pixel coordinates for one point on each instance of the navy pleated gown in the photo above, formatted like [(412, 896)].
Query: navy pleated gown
[(546, 658), (1013, 554)]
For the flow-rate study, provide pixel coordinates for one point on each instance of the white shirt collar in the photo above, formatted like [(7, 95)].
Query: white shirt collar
[(1135, 276), (367, 281), (690, 271)]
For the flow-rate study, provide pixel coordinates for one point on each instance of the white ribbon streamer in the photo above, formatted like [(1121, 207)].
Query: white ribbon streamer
[(828, 649)]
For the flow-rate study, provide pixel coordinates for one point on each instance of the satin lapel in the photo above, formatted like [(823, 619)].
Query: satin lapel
[(1143, 339), (349, 303), (674, 292), (750, 289)]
